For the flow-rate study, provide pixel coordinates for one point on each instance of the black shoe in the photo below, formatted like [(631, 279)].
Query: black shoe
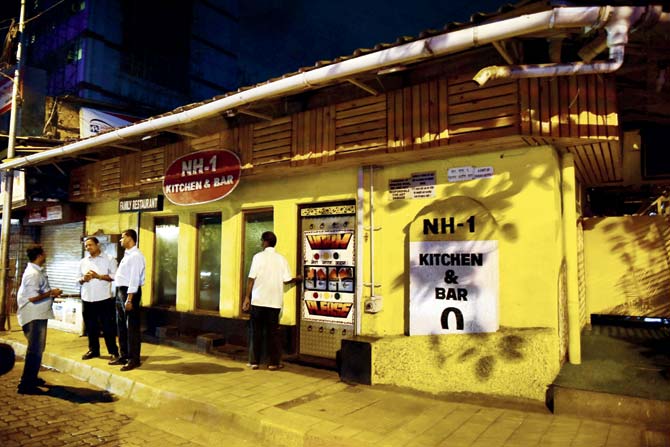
[(40, 382), (118, 361), (31, 390), (90, 355), (113, 357), (130, 365)]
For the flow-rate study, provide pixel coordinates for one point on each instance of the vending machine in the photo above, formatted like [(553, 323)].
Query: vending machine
[(327, 308)]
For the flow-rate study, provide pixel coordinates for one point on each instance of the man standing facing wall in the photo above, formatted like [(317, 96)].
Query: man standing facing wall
[(35, 300), (129, 280), (268, 273), (97, 270)]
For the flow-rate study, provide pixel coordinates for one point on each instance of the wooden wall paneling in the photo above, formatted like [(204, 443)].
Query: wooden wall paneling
[(329, 132), (152, 165), (573, 106), (611, 110), (207, 142), (617, 159), (110, 175), (601, 160), (582, 87), (534, 102), (433, 113), (593, 105), (407, 121), (564, 106), (606, 153), (545, 106), (269, 141), (524, 105), (394, 120), (443, 111), (590, 156), (582, 168), (555, 109), (318, 135), (424, 114), (416, 114), (361, 124), (129, 172), (601, 99), (295, 140), (243, 135)]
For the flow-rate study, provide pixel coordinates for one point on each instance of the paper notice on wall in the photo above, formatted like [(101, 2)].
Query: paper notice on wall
[(423, 185), (464, 173), (418, 186), (400, 188)]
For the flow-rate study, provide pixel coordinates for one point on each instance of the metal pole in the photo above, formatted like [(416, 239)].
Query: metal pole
[(9, 179)]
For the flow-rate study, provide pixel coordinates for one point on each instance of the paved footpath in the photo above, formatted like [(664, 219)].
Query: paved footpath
[(74, 413), (301, 406)]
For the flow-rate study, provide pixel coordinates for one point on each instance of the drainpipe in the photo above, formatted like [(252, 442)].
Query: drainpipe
[(617, 26), (568, 192), (360, 212), (440, 45)]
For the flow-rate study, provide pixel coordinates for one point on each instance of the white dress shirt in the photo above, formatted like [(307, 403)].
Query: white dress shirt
[(33, 283), (97, 289), (131, 270), (270, 271)]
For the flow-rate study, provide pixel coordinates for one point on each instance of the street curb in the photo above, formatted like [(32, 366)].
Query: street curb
[(271, 424)]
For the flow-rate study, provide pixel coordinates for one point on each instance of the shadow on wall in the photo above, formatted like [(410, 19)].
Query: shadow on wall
[(640, 245)]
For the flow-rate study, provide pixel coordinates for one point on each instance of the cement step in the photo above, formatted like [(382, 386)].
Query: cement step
[(613, 408)]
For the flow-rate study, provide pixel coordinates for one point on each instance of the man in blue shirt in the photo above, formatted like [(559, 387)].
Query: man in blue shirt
[(34, 299)]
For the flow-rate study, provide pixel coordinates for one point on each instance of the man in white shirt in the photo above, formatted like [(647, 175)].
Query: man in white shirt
[(265, 297), (34, 300), (129, 280), (97, 270)]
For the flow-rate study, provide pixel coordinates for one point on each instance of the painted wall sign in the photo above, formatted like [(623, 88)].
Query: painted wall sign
[(141, 204), (201, 177), (92, 121), (329, 283), (418, 186), (45, 214), (453, 286), (465, 173), (18, 187)]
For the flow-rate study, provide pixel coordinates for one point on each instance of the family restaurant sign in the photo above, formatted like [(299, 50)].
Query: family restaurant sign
[(201, 177)]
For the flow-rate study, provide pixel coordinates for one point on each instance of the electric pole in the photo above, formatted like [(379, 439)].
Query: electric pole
[(9, 180)]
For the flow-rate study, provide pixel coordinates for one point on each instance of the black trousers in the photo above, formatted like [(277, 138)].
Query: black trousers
[(265, 319), (128, 324), (100, 314)]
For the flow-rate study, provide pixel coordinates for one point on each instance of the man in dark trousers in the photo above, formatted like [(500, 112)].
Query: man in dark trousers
[(97, 270), (265, 297), (35, 301), (129, 280)]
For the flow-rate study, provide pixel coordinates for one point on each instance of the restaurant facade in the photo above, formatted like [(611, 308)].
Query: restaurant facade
[(434, 220)]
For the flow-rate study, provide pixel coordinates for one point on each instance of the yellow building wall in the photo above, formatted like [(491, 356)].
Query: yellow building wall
[(524, 200), (282, 195), (626, 263)]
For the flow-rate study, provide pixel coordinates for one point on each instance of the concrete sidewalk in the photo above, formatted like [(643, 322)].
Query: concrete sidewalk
[(301, 406)]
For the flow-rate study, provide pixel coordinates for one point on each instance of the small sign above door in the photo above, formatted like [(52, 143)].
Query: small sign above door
[(141, 204)]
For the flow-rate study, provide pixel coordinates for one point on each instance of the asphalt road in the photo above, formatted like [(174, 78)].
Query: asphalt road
[(73, 413)]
